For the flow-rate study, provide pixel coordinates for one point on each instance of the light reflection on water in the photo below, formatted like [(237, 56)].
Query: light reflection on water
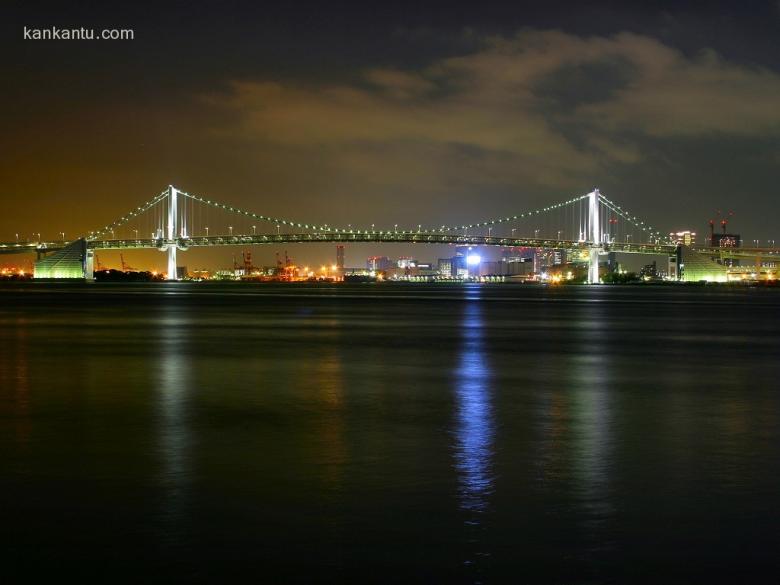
[(421, 434), (474, 434), (475, 427), (591, 392), (174, 388)]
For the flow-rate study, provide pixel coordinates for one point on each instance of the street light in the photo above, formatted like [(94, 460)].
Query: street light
[(536, 234), (17, 238), (254, 230), (62, 234), (513, 232), (490, 231), (559, 234), (207, 231), (277, 229), (136, 234), (230, 228)]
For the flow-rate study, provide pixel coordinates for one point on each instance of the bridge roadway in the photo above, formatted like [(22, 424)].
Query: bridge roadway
[(433, 238), (162, 244)]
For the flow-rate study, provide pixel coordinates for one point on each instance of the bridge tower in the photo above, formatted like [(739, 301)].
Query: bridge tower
[(595, 236), (172, 222)]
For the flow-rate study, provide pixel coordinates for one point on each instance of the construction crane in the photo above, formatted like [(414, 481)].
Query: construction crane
[(725, 220), (125, 267), (98, 264)]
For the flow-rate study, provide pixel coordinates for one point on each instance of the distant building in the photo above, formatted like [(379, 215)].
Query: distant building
[(181, 272), (613, 264), (445, 267), (683, 238), (518, 254), (379, 263), (726, 240), (340, 258), (549, 258), (406, 262), (523, 254), (649, 270), (459, 267), (500, 268), (674, 269)]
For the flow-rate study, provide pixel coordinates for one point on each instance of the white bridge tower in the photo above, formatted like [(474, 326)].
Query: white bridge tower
[(595, 236), (172, 235)]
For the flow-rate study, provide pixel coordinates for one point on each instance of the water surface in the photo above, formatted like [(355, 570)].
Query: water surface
[(382, 433)]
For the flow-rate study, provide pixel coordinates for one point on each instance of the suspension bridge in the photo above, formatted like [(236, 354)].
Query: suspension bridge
[(591, 225)]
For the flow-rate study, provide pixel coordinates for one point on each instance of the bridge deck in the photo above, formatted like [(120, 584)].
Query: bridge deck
[(380, 237)]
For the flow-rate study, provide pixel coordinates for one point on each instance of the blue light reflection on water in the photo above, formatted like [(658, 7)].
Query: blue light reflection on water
[(475, 431)]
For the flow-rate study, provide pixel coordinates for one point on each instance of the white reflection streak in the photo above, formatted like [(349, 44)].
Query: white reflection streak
[(593, 421), (475, 426), (174, 440)]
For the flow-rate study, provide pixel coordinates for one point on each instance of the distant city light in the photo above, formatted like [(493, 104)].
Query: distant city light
[(473, 259)]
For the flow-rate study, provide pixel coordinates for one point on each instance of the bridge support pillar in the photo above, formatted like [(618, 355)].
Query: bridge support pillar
[(595, 236), (593, 266), (172, 263), (172, 222), (89, 265)]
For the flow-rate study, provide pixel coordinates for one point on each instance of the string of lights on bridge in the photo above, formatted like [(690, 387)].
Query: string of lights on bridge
[(94, 235), (634, 220), (608, 223), (289, 223)]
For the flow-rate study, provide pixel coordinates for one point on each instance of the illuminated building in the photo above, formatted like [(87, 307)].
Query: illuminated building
[(683, 238), (548, 258), (379, 263), (72, 261), (695, 267), (459, 269), (726, 241), (445, 266), (340, 259)]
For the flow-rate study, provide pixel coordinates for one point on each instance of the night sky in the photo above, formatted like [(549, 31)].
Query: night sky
[(400, 112)]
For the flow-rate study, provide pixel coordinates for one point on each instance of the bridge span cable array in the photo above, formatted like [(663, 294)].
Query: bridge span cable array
[(197, 216), (129, 216), (289, 223), (652, 232)]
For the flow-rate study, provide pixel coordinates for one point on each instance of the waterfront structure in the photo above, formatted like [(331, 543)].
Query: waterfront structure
[(179, 232)]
